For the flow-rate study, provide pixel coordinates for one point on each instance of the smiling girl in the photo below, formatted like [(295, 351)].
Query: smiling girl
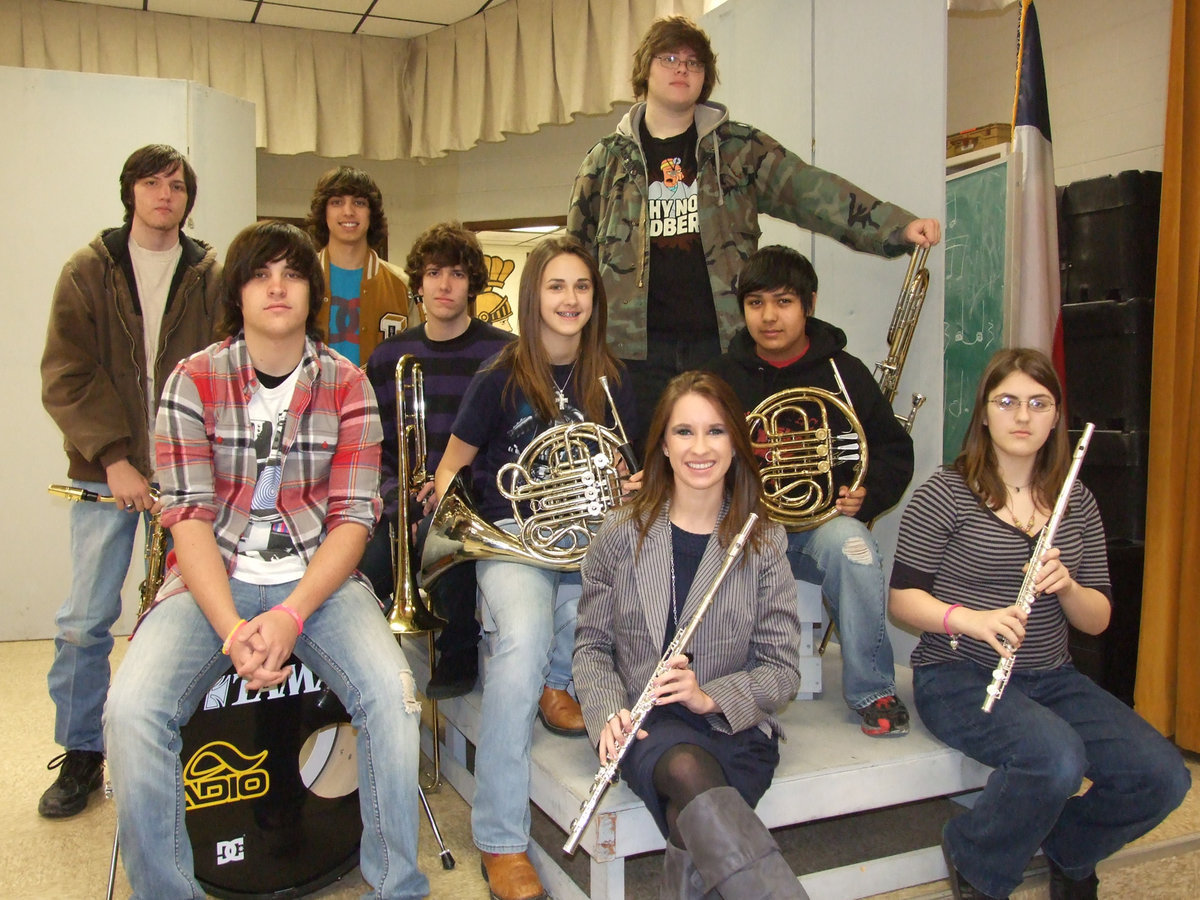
[(549, 376), (709, 748)]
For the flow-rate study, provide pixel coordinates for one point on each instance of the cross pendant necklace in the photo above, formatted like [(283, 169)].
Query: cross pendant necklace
[(560, 391)]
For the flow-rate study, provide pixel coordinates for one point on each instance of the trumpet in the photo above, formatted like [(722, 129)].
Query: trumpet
[(156, 543), (799, 450), (900, 334), (410, 610), (637, 716), (1004, 667), (561, 487)]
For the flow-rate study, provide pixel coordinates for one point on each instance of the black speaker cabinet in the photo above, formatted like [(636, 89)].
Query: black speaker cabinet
[(1110, 658), (1108, 346), (1111, 236), (1115, 471)]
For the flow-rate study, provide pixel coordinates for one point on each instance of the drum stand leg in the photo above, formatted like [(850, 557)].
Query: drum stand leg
[(446, 857), (434, 785), (829, 629), (112, 863)]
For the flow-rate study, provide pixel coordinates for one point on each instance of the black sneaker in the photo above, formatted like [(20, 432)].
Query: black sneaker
[(886, 717), (79, 773), (454, 674), (959, 886), (1063, 887)]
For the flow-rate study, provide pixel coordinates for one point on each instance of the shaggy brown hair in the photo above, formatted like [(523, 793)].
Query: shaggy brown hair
[(254, 247), (341, 182), (667, 35)]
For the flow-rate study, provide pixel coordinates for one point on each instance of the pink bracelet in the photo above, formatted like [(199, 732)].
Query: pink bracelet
[(946, 617), (295, 617)]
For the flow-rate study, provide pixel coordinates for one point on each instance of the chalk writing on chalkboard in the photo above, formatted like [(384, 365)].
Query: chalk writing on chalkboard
[(973, 329)]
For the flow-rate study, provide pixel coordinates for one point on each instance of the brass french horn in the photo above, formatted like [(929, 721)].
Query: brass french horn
[(800, 451), (567, 479)]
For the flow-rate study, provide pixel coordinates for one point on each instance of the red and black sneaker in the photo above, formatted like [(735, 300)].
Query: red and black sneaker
[(886, 717)]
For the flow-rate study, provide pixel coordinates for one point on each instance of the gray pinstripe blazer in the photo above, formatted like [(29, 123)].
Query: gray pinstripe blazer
[(747, 647)]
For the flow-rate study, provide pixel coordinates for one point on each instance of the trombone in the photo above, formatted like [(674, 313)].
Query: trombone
[(410, 612), (900, 333)]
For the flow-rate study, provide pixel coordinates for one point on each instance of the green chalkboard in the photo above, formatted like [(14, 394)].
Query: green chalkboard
[(976, 263)]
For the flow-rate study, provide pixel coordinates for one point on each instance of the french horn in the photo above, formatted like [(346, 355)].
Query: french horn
[(801, 451), (561, 487)]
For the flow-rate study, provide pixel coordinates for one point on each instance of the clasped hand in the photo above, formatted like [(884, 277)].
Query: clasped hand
[(677, 684), (261, 648)]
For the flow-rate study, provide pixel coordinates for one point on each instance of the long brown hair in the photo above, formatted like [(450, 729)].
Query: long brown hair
[(976, 462), (526, 357), (255, 246), (743, 488), (667, 35)]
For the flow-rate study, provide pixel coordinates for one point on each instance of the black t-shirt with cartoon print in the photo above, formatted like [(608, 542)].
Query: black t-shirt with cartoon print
[(681, 301)]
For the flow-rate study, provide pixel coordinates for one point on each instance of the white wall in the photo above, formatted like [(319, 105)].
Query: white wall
[(1106, 74), (67, 136)]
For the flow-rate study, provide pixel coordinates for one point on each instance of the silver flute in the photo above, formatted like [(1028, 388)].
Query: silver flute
[(645, 703), (1004, 668)]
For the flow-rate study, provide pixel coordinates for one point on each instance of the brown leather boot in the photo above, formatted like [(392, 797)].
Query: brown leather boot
[(511, 876), (560, 713)]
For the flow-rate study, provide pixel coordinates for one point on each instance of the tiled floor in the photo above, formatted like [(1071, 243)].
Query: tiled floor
[(69, 859)]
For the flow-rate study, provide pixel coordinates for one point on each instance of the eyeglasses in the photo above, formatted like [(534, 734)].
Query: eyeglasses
[(671, 61), (1007, 403)]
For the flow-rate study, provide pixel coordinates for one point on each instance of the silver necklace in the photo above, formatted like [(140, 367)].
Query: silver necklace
[(1017, 488), (560, 391)]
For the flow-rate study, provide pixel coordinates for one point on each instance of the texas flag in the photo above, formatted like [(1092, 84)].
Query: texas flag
[(1037, 314)]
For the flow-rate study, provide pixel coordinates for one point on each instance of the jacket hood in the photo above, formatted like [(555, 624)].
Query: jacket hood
[(709, 117), (824, 342)]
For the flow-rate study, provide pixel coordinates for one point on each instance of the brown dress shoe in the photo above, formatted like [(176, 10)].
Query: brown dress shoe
[(511, 876), (560, 713)]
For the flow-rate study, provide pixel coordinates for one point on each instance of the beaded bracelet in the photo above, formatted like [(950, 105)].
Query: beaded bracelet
[(232, 634), (295, 617)]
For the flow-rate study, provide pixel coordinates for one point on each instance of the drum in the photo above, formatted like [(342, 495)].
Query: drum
[(272, 788)]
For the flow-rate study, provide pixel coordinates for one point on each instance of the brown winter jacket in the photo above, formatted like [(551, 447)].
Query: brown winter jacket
[(95, 356)]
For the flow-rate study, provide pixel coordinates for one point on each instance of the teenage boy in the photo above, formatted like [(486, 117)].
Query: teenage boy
[(669, 203), (126, 308), (447, 269), (366, 297), (268, 455), (783, 346)]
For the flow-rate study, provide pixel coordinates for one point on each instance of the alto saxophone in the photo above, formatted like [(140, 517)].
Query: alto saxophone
[(1003, 671), (156, 543), (645, 703)]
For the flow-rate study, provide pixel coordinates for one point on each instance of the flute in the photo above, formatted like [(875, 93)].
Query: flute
[(1003, 671), (645, 703)]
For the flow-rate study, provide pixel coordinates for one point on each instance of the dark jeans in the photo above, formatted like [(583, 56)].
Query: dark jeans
[(452, 596), (665, 358), (1049, 730)]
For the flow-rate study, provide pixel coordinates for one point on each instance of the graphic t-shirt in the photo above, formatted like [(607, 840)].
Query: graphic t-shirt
[(345, 285), (266, 553), (681, 301)]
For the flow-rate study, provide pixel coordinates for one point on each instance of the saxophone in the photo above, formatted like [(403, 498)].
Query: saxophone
[(1003, 671), (156, 543), (645, 703)]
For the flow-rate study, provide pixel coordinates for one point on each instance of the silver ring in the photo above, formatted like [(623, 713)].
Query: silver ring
[(129, 506)]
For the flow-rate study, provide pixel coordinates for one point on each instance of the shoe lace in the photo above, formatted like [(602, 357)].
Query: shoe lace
[(56, 762)]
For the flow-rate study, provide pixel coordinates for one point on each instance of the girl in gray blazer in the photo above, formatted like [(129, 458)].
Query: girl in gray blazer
[(709, 748)]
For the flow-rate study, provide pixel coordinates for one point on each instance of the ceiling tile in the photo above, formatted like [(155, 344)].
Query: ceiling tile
[(122, 4), (395, 28), (236, 10), (294, 17), (347, 6), (443, 12)]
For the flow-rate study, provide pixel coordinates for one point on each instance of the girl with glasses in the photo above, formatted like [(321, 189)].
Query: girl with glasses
[(965, 539)]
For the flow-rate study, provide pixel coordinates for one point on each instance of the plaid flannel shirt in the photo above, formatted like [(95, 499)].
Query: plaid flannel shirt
[(206, 460)]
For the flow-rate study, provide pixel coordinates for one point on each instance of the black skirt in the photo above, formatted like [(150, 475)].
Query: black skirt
[(748, 758)]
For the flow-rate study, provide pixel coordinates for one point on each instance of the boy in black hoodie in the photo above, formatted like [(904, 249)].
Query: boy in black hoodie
[(782, 347)]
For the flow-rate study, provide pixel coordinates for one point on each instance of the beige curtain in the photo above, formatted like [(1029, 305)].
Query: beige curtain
[(1167, 692), (521, 65)]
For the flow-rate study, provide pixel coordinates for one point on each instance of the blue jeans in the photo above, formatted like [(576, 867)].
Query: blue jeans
[(171, 663), (101, 546), (1049, 730), (843, 558), (528, 637)]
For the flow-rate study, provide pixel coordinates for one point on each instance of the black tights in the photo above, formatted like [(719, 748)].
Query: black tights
[(681, 774)]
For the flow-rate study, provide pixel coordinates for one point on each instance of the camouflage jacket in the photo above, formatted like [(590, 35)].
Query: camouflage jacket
[(741, 172)]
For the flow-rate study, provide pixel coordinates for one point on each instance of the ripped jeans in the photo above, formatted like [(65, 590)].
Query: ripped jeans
[(843, 558), (173, 660)]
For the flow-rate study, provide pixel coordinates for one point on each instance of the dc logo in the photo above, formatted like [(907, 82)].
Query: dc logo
[(218, 693), (230, 851)]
